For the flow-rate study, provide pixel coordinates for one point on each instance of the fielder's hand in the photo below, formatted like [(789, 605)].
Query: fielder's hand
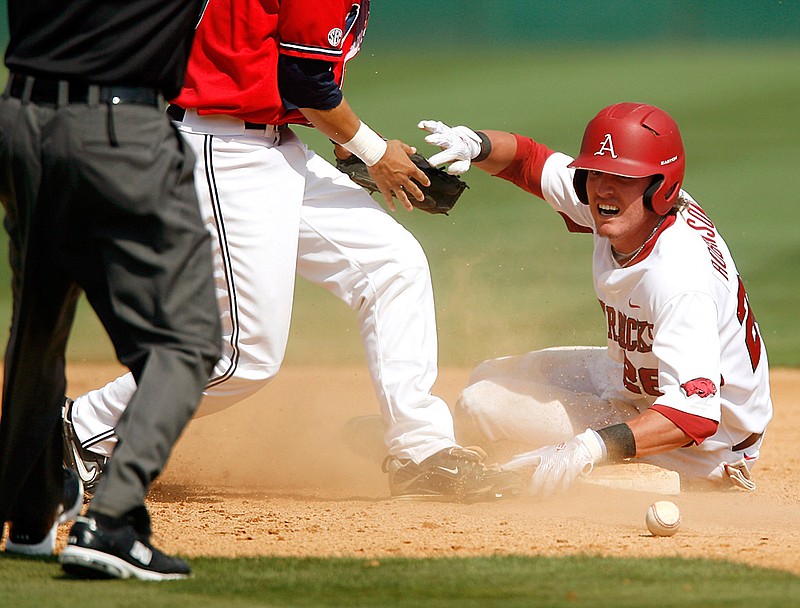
[(459, 145), (558, 466), (440, 195), (394, 175)]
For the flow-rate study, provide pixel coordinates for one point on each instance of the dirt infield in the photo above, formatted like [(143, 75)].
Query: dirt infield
[(273, 476)]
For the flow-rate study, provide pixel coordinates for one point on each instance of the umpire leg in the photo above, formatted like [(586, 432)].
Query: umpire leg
[(44, 304), (149, 280)]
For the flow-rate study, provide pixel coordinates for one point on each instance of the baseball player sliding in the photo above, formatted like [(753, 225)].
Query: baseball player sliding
[(275, 208), (683, 382)]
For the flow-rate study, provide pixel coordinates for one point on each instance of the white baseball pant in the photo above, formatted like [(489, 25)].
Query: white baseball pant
[(276, 208), (519, 403)]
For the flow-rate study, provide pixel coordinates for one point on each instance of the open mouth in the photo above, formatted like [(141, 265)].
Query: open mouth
[(607, 210)]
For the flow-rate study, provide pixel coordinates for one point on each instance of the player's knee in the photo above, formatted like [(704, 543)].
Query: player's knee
[(473, 400), (404, 249), (229, 389), (466, 431), (402, 275), (412, 270), (474, 414), (240, 375)]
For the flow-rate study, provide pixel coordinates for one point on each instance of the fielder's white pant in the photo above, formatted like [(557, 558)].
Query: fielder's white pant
[(275, 208), (519, 403)]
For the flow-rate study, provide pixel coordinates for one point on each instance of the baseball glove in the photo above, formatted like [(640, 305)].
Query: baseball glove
[(440, 197)]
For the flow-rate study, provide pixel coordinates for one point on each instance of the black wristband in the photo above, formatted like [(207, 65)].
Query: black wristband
[(620, 442), (486, 147)]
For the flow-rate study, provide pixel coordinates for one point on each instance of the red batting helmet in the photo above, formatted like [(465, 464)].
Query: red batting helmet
[(634, 140)]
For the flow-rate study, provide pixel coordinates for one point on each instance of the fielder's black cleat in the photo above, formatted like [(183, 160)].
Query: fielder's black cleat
[(104, 547), (455, 474)]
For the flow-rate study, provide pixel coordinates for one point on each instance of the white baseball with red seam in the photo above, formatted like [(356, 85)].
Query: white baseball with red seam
[(663, 518)]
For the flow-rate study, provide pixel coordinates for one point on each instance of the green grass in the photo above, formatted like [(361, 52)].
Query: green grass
[(466, 583), (508, 277)]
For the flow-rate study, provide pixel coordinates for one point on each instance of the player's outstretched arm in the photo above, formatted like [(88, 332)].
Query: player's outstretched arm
[(655, 434), (491, 151), (554, 468), (388, 162)]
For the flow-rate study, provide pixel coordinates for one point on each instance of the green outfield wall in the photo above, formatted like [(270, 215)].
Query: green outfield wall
[(513, 22), (411, 23)]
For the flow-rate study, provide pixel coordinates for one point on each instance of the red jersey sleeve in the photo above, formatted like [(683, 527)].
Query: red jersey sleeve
[(322, 30), (525, 170)]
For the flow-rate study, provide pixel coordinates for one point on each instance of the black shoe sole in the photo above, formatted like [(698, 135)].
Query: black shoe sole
[(82, 562)]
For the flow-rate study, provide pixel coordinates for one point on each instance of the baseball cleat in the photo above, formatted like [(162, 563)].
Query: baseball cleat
[(104, 547), (451, 475), (87, 464), (27, 538)]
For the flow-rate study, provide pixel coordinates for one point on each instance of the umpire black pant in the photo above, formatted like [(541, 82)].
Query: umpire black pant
[(99, 197)]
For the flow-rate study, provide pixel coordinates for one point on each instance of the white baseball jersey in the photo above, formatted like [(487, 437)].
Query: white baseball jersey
[(681, 338), (678, 318)]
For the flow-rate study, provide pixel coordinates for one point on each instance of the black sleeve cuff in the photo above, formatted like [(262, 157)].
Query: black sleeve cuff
[(307, 83), (486, 147), (620, 442)]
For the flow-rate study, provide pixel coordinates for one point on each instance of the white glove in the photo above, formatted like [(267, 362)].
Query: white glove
[(459, 145), (558, 466), (739, 474)]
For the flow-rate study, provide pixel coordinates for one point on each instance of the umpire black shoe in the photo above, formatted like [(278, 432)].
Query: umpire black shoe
[(39, 538), (104, 547), (88, 465), (454, 474)]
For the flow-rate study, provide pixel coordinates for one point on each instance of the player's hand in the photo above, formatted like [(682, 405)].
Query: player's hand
[(394, 172), (459, 145), (556, 467)]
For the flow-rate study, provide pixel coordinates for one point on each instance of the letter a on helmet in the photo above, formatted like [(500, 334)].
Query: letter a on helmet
[(634, 140), (606, 146)]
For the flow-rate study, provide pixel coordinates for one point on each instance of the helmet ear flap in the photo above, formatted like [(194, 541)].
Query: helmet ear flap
[(579, 183), (647, 198), (664, 200)]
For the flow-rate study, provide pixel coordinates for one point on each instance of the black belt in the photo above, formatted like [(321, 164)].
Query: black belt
[(743, 445), (177, 114), (57, 92)]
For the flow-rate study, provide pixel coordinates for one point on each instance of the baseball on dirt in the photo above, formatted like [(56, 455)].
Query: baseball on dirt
[(663, 518)]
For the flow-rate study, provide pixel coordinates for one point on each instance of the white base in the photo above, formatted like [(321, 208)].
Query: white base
[(637, 477)]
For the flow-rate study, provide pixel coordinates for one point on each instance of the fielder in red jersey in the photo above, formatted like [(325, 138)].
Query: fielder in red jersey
[(234, 68), (276, 209)]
